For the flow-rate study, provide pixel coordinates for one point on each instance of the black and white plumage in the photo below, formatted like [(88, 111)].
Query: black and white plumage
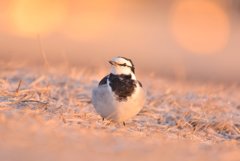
[(119, 95)]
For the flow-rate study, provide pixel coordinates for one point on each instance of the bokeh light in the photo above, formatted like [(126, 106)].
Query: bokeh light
[(4, 17), (199, 26), (31, 17), (89, 19)]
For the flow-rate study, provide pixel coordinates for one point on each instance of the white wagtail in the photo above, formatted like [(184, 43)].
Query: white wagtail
[(119, 95)]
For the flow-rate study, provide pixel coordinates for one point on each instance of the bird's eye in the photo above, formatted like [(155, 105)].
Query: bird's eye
[(123, 65)]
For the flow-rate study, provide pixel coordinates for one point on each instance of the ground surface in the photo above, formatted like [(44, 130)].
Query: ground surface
[(47, 115)]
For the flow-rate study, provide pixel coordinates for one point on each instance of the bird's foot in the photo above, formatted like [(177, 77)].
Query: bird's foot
[(124, 124)]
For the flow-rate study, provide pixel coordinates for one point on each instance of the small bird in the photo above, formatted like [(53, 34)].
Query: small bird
[(119, 95)]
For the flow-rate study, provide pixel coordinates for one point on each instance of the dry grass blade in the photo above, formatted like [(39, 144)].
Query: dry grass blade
[(35, 101), (19, 85)]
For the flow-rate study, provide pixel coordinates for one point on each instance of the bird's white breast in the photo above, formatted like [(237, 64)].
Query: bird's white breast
[(109, 107)]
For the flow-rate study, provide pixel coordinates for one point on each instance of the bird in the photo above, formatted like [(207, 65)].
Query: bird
[(119, 96)]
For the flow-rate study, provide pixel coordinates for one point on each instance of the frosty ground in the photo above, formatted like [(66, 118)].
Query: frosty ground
[(46, 114)]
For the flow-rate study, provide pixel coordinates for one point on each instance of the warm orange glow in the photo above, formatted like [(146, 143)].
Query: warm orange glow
[(200, 26), (90, 19), (31, 17)]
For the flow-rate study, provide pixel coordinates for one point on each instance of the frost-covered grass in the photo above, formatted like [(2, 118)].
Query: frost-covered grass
[(46, 114)]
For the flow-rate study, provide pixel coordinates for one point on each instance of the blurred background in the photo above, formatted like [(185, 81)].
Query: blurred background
[(184, 39)]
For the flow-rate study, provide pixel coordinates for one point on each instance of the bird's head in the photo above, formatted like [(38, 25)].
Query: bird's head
[(122, 65)]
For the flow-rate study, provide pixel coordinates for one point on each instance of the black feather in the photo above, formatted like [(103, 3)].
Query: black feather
[(122, 85), (132, 67), (140, 84), (103, 81)]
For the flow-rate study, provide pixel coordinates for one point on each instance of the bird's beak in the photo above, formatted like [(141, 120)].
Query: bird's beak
[(112, 62)]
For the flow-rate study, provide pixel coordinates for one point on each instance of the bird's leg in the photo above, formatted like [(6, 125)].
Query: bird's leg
[(124, 124), (102, 118)]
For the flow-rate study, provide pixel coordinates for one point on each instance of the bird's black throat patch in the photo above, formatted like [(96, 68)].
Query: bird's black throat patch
[(122, 85)]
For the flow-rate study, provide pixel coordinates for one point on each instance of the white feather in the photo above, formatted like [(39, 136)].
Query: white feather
[(108, 107)]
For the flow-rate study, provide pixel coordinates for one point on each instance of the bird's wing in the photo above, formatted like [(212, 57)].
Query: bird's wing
[(140, 83), (103, 81)]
